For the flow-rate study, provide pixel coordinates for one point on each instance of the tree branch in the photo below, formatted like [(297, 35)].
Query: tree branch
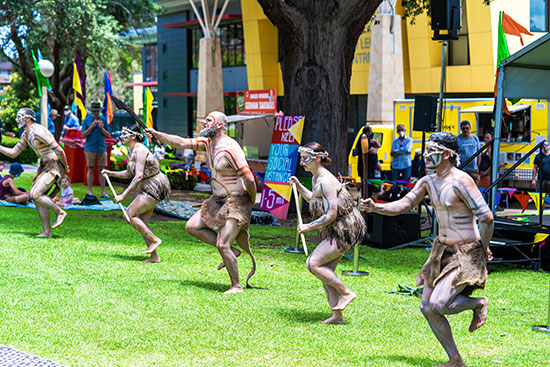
[(23, 59)]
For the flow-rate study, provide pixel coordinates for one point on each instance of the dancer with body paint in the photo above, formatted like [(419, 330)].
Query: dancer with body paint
[(52, 167), (229, 209), (338, 221), (457, 263), (150, 185)]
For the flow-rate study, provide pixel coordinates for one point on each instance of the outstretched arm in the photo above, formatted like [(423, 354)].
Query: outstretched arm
[(16, 150), (177, 141), (330, 197), (407, 203)]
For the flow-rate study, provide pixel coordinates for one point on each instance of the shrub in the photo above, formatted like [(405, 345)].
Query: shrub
[(181, 179), (26, 157)]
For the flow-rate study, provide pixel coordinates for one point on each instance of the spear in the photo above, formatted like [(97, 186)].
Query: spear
[(123, 106)]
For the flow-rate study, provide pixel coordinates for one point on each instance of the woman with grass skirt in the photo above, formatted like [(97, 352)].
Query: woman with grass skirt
[(338, 221), (150, 185)]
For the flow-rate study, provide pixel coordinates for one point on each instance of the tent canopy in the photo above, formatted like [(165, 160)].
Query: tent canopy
[(526, 73), (490, 108)]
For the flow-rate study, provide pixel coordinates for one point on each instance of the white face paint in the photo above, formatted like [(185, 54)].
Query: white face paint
[(21, 119), (306, 159), (433, 155)]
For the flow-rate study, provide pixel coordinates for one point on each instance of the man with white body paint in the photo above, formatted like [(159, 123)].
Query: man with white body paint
[(229, 208), (52, 168), (457, 262)]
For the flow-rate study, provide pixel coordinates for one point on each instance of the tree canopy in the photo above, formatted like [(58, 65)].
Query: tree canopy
[(64, 29)]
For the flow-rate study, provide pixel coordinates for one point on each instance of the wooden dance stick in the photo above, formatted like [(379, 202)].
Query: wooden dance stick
[(299, 216), (114, 194)]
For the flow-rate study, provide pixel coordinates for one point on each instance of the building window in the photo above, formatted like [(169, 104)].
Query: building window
[(538, 16), (232, 45), (165, 75), (150, 62), (459, 51)]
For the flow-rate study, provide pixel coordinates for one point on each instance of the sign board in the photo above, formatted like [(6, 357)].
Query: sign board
[(281, 164), (256, 101)]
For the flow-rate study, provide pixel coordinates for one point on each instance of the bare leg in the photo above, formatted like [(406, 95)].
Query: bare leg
[(446, 300), (90, 179), (101, 183), (19, 199), (333, 297), (155, 258), (44, 215), (226, 236), (197, 228), (139, 212), (44, 202), (326, 253)]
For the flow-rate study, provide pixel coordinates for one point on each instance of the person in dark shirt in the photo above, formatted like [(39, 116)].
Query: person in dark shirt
[(542, 164), (367, 131), (374, 168), (418, 168)]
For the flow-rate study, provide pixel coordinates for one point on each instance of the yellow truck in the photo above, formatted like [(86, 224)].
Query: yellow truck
[(527, 126)]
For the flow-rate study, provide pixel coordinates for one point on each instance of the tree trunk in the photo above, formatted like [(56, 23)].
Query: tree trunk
[(319, 41)]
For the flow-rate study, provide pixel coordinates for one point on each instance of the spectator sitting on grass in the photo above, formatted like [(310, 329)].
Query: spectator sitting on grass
[(204, 173), (8, 190), (67, 193), (1, 167)]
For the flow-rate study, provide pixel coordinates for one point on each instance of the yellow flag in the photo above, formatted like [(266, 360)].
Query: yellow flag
[(535, 196), (149, 107), (78, 98)]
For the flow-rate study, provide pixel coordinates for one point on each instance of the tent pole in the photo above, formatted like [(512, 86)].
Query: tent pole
[(498, 134)]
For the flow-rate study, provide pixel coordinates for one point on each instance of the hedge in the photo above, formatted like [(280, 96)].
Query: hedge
[(26, 157)]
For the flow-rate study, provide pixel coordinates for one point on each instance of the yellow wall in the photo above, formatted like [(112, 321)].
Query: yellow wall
[(421, 55), (424, 63), (263, 69)]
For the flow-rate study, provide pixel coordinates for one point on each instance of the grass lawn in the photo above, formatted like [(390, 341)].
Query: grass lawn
[(83, 298)]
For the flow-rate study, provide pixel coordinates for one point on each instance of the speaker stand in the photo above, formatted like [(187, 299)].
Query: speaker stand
[(355, 272), (296, 249), (421, 242), (545, 328)]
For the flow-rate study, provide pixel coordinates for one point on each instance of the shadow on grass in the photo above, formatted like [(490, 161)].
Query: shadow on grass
[(302, 316), (209, 286), (401, 360), (128, 258)]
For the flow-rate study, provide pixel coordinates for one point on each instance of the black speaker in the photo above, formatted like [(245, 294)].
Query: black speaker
[(387, 232), (425, 111), (445, 17)]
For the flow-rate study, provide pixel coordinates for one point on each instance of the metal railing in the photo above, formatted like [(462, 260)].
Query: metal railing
[(474, 156)]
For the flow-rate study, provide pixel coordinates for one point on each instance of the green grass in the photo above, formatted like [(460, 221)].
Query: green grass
[(83, 298)]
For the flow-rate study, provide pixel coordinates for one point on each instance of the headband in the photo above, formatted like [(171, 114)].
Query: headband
[(131, 132), (436, 145), (302, 150)]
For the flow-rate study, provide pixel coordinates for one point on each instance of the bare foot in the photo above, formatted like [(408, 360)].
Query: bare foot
[(237, 253), (44, 235), (480, 315), (152, 247), (336, 320), (59, 219), (344, 301), (237, 289)]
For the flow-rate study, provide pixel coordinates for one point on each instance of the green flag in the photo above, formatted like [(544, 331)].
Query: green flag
[(41, 80), (503, 51)]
